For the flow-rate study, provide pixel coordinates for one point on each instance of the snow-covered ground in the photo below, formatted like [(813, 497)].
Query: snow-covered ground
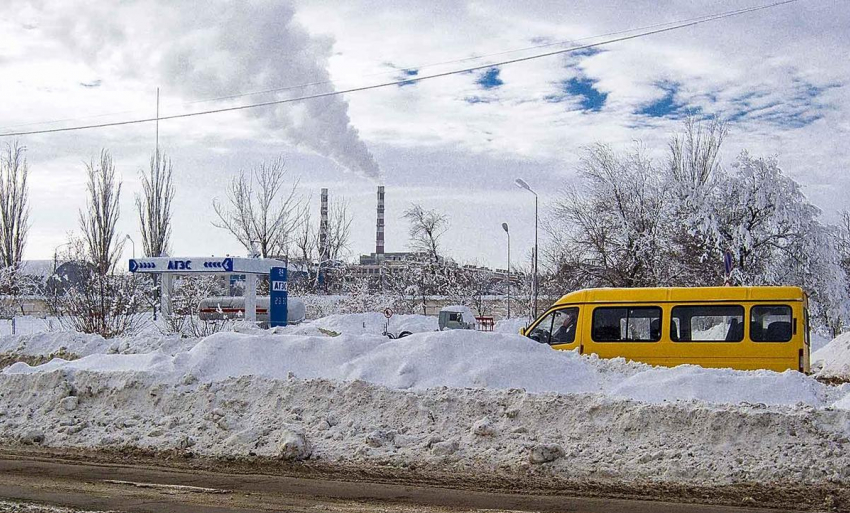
[(364, 323), (833, 359), (455, 359), (28, 324), (336, 389)]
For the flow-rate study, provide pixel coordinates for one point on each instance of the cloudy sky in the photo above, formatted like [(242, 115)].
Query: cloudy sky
[(780, 76)]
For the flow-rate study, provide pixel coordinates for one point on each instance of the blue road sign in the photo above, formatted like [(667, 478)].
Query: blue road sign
[(727, 262), (278, 296)]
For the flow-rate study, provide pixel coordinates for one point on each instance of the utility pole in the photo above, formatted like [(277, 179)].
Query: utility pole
[(505, 227), (534, 285), (157, 126)]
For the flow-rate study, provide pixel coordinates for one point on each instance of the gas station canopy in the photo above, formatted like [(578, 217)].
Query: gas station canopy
[(168, 267), (214, 265)]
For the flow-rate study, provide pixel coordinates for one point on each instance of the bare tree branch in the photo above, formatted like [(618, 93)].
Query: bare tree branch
[(259, 210), (14, 207), (154, 206), (98, 222), (426, 228)]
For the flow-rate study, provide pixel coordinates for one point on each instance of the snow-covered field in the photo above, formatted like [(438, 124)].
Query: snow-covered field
[(335, 389)]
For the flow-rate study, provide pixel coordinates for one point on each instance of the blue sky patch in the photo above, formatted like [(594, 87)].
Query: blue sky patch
[(407, 73), (585, 52), (798, 110), (490, 79), (591, 99), (581, 89), (403, 74), (666, 106)]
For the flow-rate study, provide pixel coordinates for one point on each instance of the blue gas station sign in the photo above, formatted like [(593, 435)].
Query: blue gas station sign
[(278, 296)]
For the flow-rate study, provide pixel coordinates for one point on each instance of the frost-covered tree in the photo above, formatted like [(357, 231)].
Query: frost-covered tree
[(843, 242), (470, 286), (154, 206), (762, 216), (607, 227), (693, 173), (426, 272), (14, 204), (109, 304), (362, 294), (628, 223), (14, 286), (814, 263), (261, 210), (100, 300)]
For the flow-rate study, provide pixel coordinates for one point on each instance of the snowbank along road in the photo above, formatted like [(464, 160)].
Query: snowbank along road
[(456, 408)]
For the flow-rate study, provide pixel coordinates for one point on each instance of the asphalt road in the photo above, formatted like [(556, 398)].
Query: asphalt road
[(150, 489)]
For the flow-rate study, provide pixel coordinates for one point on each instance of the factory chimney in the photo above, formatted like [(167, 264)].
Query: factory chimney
[(379, 238), (324, 251)]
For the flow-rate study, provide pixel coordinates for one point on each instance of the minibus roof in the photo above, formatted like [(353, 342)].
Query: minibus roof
[(683, 295)]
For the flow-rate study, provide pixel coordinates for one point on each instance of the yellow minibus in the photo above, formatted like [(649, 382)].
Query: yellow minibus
[(742, 328)]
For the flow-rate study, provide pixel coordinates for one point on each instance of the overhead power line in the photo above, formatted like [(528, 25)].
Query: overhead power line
[(382, 73), (414, 79)]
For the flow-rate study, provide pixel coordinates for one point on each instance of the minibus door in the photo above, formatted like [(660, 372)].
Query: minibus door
[(566, 333)]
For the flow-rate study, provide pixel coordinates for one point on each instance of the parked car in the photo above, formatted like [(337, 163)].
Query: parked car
[(456, 317)]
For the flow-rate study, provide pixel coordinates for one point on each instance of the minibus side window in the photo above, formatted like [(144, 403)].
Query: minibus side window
[(626, 324), (708, 323), (558, 327), (771, 323), (542, 331)]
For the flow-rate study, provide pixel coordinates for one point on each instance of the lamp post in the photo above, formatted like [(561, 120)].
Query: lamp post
[(56, 255), (54, 278), (132, 242), (523, 185), (505, 227)]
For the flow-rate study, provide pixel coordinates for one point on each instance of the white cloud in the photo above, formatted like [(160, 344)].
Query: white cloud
[(780, 74)]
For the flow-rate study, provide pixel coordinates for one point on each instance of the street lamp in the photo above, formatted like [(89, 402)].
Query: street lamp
[(127, 237), (523, 185), (56, 265), (56, 254), (505, 227)]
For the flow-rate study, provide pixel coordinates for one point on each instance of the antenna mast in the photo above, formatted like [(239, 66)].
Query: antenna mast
[(157, 125)]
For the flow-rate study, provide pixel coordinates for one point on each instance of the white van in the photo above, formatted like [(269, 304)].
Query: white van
[(456, 317)]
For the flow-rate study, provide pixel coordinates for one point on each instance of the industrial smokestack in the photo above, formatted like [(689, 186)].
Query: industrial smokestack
[(379, 238), (324, 251)]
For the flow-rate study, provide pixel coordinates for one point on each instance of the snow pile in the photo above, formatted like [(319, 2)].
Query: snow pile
[(47, 343), (456, 359), (512, 325), (451, 401), (76, 344), (474, 431), (28, 324), (818, 340), (833, 359), (364, 323)]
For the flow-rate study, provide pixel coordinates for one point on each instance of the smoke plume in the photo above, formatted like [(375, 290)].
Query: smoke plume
[(213, 49)]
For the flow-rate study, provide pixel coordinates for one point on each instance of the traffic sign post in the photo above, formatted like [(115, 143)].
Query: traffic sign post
[(278, 296)]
